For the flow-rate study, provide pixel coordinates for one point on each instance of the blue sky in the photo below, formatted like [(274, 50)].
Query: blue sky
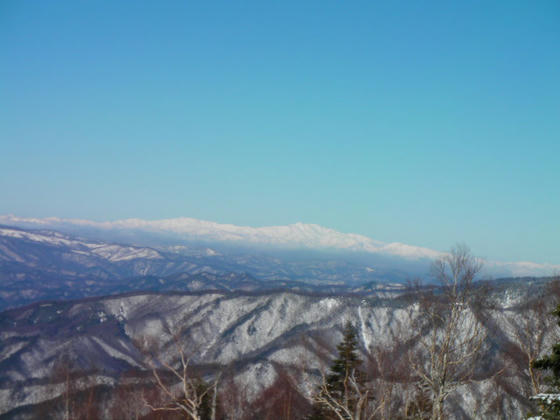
[(421, 122)]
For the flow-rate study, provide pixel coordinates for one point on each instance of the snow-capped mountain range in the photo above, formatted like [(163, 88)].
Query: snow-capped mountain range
[(39, 264), (294, 236), (298, 235), (261, 310)]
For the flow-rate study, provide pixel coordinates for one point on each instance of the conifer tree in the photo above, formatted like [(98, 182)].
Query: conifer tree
[(342, 395), (346, 364), (550, 401)]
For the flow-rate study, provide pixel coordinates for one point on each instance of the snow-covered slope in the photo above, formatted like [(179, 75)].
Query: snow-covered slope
[(110, 252), (44, 264), (262, 334)]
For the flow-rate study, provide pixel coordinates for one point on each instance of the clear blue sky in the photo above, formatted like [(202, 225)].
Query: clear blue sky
[(421, 122)]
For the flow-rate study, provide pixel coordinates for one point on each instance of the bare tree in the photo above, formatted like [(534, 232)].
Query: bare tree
[(233, 397), (76, 394), (390, 380), (187, 394), (528, 328), (281, 401), (452, 336), (342, 408), (125, 402), (529, 332)]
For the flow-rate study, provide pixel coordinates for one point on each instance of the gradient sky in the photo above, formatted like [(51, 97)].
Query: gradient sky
[(426, 123)]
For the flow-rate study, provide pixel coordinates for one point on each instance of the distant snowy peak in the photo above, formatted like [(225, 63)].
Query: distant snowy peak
[(298, 235)]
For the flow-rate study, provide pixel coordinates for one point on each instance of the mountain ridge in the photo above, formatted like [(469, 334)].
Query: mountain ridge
[(276, 330), (297, 234), (294, 236)]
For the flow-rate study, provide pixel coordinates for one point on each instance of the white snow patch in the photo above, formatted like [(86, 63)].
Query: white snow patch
[(111, 351)]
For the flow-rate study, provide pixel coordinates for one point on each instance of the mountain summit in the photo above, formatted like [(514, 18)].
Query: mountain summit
[(298, 235)]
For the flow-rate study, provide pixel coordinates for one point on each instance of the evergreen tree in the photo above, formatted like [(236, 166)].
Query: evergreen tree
[(550, 401), (344, 384), (345, 365)]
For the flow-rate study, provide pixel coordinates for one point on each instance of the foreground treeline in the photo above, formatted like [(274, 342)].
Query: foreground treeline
[(453, 360)]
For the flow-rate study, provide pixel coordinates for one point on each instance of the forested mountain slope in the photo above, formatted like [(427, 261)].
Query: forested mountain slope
[(267, 337)]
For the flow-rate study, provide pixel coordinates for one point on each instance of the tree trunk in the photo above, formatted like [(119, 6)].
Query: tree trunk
[(437, 409)]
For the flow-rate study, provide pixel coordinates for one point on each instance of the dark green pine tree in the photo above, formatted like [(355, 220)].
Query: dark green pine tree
[(344, 369), (346, 364), (550, 403)]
